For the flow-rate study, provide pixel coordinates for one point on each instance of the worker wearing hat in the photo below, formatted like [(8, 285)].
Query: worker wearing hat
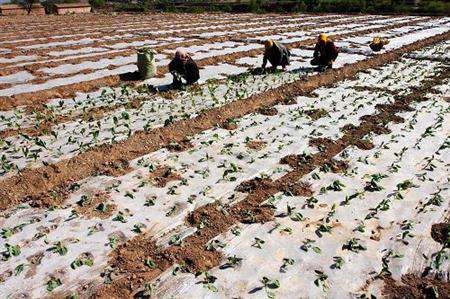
[(378, 43), (276, 53), (325, 52)]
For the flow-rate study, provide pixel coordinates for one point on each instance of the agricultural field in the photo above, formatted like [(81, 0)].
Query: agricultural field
[(248, 184)]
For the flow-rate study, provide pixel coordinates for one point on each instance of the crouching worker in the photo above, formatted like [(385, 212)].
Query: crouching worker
[(325, 53), (378, 43), (276, 53), (183, 67)]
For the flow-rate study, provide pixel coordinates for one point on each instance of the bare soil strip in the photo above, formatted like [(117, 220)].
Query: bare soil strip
[(214, 219), (415, 286), (48, 185), (68, 91)]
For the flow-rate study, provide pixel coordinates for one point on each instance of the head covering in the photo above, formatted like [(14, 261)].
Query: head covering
[(376, 40), (322, 38), (181, 55), (268, 43)]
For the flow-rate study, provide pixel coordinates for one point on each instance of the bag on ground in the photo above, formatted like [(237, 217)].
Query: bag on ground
[(146, 62)]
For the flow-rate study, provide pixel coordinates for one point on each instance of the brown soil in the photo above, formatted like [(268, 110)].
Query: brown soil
[(287, 101), (297, 189), (364, 145), (252, 185), (336, 166), (269, 111), (256, 145), (440, 232), (34, 184), (375, 89), (162, 175), (315, 114), (321, 143), (96, 206), (414, 286), (228, 126), (179, 146), (115, 168)]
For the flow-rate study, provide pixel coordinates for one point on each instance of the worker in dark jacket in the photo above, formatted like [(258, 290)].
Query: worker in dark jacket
[(183, 67), (276, 54), (325, 52), (378, 43)]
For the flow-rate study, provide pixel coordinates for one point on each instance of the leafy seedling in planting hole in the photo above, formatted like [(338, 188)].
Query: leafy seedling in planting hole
[(323, 228), (286, 262), (232, 262), (58, 247), (84, 200), (441, 256), (268, 285), (353, 245), (113, 241), (236, 231), (175, 240), (311, 201), (215, 245), (249, 217), (137, 228), (307, 244), (53, 283), (208, 282), (360, 228), (178, 268), (129, 194), (373, 185), (19, 269), (102, 207), (258, 243), (150, 201), (150, 263), (321, 280), (287, 230), (120, 218), (84, 259), (405, 185), (6, 233), (147, 292), (335, 186), (338, 262), (348, 198), (107, 275)]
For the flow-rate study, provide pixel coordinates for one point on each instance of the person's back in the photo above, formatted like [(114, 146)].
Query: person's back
[(325, 52), (192, 71), (378, 43), (276, 53)]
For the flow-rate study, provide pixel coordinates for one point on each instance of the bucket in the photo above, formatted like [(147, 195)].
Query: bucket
[(146, 62)]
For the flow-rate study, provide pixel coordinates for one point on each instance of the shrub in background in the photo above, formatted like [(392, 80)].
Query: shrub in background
[(97, 3)]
